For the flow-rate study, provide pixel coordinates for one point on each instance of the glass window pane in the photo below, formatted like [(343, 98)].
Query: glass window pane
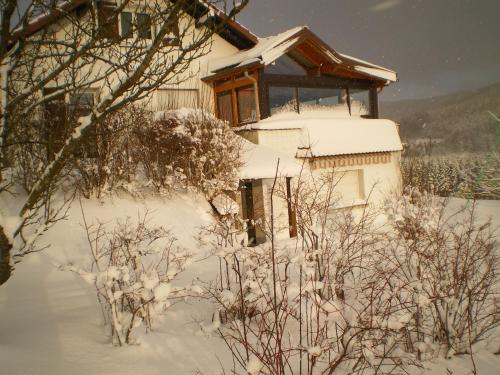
[(126, 24), (360, 102), (322, 98), (82, 100), (286, 65), (225, 107), (247, 110), (144, 26), (282, 99)]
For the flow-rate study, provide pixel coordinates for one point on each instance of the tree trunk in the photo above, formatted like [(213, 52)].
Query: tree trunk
[(5, 247)]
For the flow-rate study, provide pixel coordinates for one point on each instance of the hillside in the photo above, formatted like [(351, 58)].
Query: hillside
[(458, 122)]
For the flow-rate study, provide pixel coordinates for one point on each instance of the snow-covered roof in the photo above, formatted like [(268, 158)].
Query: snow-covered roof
[(343, 137), (267, 50), (329, 133), (260, 162), (366, 67)]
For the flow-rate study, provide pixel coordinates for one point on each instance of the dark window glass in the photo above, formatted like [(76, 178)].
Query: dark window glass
[(360, 102), (56, 124), (324, 98), (144, 26), (286, 65), (282, 99), (107, 22), (225, 107), (247, 110), (81, 104), (126, 23)]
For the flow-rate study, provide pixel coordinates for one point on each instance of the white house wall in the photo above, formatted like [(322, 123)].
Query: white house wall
[(188, 79)]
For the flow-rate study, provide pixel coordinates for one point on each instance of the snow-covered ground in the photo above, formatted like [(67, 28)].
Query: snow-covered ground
[(50, 321)]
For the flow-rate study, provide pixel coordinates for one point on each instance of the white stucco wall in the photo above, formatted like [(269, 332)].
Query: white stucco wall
[(187, 79)]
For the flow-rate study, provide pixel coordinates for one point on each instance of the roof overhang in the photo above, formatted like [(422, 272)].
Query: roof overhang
[(229, 29), (304, 41)]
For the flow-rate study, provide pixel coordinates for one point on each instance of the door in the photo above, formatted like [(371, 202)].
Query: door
[(292, 219), (248, 211)]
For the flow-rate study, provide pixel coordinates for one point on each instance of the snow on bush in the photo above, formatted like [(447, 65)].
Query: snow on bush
[(444, 267), (135, 150), (109, 161), (132, 268), (190, 148), (353, 295)]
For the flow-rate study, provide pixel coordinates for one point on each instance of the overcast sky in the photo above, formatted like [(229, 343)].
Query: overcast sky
[(436, 46)]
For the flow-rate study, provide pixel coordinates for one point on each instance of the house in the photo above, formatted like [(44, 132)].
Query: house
[(293, 94), (303, 108)]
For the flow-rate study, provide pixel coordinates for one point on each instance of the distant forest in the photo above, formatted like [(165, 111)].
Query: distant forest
[(448, 124)]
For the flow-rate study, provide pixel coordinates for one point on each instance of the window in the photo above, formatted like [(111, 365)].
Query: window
[(56, 124), (236, 102), (360, 102), (323, 98), (225, 106), (139, 22), (144, 26), (60, 115), (81, 103), (349, 186), (282, 99), (173, 37), (351, 102), (286, 65), (247, 110), (126, 24), (107, 21)]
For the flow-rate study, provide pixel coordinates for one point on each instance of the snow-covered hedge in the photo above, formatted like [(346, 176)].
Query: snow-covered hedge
[(137, 150), (189, 148)]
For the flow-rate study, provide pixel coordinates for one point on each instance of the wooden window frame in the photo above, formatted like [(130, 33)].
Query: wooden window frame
[(232, 85)]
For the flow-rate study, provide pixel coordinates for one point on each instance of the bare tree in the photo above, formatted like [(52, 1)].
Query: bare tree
[(55, 50)]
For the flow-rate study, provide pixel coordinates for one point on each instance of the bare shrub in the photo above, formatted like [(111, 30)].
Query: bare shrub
[(107, 160), (312, 306), (189, 148), (132, 267), (444, 266)]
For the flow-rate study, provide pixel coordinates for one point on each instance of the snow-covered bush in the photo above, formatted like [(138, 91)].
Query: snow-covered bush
[(135, 150), (189, 148), (443, 264), (460, 176), (358, 293), (313, 305), (132, 268), (109, 160)]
